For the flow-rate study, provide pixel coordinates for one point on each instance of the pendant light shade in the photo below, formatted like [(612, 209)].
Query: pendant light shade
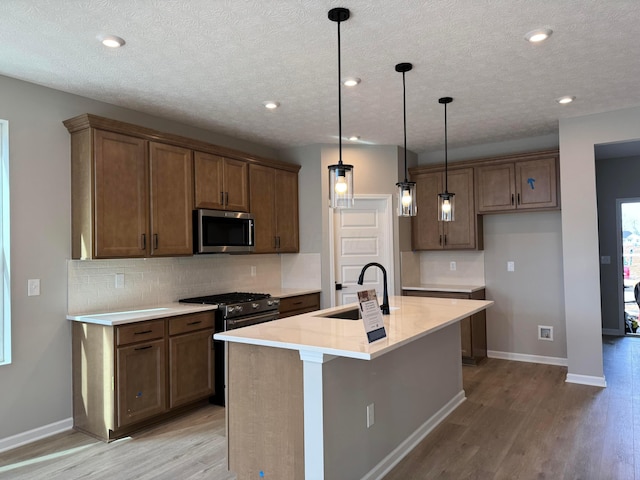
[(406, 190), (446, 199), (340, 174)]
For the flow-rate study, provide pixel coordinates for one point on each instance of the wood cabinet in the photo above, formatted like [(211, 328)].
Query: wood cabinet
[(128, 376), (273, 198), (525, 183), (430, 234), (299, 304), (473, 329), (133, 190), (220, 183)]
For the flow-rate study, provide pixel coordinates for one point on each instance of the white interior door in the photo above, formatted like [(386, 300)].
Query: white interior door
[(362, 234)]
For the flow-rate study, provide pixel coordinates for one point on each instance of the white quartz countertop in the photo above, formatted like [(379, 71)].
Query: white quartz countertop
[(291, 292), (439, 287), (411, 318), (139, 314)]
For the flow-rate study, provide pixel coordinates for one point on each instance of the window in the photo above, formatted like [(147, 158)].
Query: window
[(5, 257)]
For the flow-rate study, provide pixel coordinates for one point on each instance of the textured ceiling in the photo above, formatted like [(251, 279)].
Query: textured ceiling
[(212, 63)]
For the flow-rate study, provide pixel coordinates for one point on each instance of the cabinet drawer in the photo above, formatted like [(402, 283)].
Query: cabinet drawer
[(139, 332), (300, 302), (191, 322)]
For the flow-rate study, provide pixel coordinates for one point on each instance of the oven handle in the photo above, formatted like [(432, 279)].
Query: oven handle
[(231, 324)]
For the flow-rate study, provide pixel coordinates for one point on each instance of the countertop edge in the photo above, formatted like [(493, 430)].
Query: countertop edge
[(140, 314), (444, 288)]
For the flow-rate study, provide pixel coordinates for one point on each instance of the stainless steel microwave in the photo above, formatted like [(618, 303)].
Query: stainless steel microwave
[(217, 231)]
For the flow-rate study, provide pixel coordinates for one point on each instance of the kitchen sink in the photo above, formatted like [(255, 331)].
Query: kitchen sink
[(350, 314)]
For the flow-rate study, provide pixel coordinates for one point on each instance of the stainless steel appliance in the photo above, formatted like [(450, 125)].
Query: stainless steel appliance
[(235, 310), (217, 231)]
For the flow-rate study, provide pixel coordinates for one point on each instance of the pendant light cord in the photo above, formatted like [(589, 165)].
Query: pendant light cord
[(339, 100), (446, 175), (404, 111)]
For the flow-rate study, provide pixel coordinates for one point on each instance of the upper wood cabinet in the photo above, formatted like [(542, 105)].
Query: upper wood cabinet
[(430, 234), (525, 183), (274, 204), (221, 183)]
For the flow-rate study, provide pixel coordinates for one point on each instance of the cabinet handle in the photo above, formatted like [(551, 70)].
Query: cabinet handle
[(518, 199), (512, 199), (144, 332), (222, 198), (155, 241), (275, 242), (226, 198), (445, 239), (194, 323), (278, 242), (440, 241), (144, 241), (143, 348)]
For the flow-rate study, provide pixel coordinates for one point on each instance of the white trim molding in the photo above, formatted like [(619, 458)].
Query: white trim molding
[(586, 380), (523, 357), (39, 433), (391, 460)]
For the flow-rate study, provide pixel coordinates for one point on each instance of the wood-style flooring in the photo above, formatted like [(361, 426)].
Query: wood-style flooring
[(520, 421)]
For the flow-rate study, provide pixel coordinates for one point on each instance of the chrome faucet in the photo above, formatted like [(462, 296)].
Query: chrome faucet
[(385, 298)]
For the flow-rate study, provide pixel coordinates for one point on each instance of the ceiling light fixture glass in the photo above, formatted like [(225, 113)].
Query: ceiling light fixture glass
[(351, 81), (111, 41), (446, 200), (538, 35), (406, 190), (566, 99), (354, 138), (271, 105), (340, 174)]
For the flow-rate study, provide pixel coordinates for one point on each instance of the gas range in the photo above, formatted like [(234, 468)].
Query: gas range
[(239, 304)]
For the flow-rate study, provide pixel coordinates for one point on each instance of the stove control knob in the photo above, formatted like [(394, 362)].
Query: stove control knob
[(255, 305), (231, 309), (276, 301), (239, 308), (270, 303)]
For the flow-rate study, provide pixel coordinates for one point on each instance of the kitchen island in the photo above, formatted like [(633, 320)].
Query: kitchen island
[(309, 397)]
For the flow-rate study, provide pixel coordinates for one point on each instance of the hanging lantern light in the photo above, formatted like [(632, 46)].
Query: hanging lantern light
[(446, 200), (340, 174), (406, 190)]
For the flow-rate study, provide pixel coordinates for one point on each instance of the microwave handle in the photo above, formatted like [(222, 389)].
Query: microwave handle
[(251, 242)]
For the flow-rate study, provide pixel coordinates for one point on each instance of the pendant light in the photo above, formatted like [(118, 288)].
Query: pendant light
[(340, 174), (446, 201), (406, 190)]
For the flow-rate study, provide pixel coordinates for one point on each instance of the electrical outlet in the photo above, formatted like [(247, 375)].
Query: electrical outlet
[(33, 287), (253, 270), (452, 266), (119, 280), (511, 266), (370, 415), (545, 333)]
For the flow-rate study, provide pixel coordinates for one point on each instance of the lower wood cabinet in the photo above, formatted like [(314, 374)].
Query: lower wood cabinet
[(473, 329), (299, 304), (128, 376)]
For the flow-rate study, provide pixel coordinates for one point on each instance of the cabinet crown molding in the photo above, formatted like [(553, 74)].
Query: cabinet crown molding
[(88, 120)]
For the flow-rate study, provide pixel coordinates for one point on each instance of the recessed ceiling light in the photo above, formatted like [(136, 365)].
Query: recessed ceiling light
[(351, 81), (538, 35), (271, 105), (354, 138), (111, 41), (566, 99)]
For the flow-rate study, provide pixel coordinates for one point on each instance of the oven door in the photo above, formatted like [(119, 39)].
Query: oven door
[(233, 323)]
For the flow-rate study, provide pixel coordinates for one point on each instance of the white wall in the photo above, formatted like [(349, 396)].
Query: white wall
[(36, 387), (580, 233)]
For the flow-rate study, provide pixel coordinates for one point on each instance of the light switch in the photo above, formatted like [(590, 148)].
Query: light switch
[(511, 266), (452, 266), (33, 287), (119, 280)]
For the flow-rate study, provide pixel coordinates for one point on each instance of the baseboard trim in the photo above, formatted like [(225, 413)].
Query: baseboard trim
[(616, 332), (39, 433), (586, 380), (391, 460), (521, 357)]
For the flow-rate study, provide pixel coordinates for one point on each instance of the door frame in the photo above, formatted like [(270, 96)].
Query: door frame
[(620, 272), (388, 198)]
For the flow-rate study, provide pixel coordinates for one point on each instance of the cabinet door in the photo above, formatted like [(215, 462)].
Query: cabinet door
[(208, 180), (121, 196), (262, 201), (191, 367), (171, 200), (495, 187), (236, 185), (536, 183), (140, 385), (286, 205), (461, 233), (426, 230)]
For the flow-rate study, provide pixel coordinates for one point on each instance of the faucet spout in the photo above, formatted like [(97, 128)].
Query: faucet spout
[(385, 298)]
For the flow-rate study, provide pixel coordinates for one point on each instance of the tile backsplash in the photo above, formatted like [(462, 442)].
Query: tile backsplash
[(435, 267), (153, 281)]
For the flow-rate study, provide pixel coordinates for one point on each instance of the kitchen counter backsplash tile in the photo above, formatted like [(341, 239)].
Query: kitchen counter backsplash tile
[(435, 267), (154, 281), (301, 271)]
